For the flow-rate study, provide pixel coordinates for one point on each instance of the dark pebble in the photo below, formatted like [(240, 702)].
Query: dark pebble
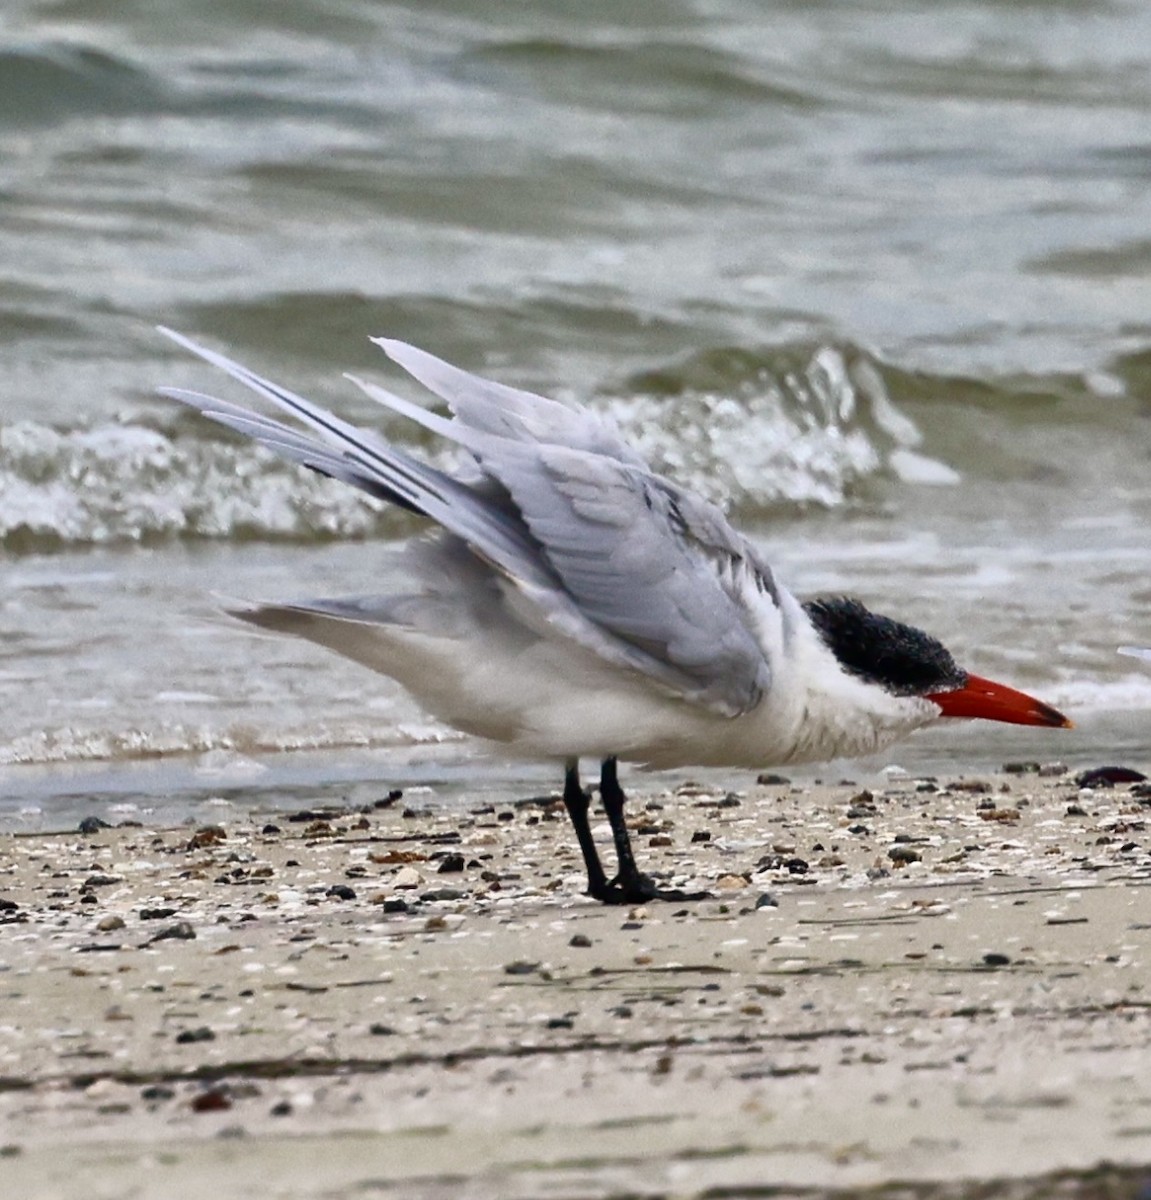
[(282, 1108), (536, 802), (1075, 810), (621, 1010), (210, 835), (796, 866), (444, 893), (450, 863), (156, 1091), (772, 780), (341, 891), (1021, 768), (92, 825), (181, 931), (203, 1034), (395, 905), (580, 940), (996, 960), (270, 828), (730, 801), (904, 854), (390, 799), (156, 914), (379, 1029), (1102, 777), (767, 900), (560, 1023), (701, 835), (216, 1100), (8, 905), (520, 967)]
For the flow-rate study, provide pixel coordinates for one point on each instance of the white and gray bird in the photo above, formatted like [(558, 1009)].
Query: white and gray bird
[(572, 603)]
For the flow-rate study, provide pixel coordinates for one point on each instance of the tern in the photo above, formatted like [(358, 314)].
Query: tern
[(571, 603)]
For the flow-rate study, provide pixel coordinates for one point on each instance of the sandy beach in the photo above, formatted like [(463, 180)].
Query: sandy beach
[(937, 988)]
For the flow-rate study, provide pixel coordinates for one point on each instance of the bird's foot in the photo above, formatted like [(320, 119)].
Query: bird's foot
[(639, 889)]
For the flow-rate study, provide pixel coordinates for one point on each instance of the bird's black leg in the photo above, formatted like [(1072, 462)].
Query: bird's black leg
[(576, 801), (629, 878), (630, 886)]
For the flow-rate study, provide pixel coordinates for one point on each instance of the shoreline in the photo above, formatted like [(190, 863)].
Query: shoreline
[(932, 981)]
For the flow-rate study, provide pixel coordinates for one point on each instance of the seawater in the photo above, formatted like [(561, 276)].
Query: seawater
[(874, 275)]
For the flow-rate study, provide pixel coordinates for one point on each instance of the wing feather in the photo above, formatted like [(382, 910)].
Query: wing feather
[(494, 408)]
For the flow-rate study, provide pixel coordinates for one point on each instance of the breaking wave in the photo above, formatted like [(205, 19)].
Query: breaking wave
[(75, 745), (130, 484), (802, 427), (799, 428)]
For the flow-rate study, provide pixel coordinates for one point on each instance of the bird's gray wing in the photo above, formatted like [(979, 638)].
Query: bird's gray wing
[(657, 568), (608, 585), (652, 564)]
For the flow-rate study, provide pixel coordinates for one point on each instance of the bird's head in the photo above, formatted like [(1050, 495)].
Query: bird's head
[(905, 661)]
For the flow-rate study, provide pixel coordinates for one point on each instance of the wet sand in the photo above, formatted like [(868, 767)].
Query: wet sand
[(937, 988)]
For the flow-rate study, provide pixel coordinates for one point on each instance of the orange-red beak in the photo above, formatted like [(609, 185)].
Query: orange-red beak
[(996, 702)]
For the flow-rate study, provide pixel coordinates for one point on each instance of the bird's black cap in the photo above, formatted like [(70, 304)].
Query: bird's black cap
[(901, 659)]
